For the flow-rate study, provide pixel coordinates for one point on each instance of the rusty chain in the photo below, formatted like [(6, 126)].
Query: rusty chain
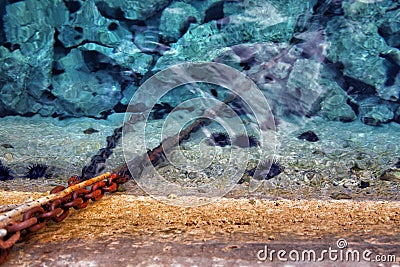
[(76, 195)]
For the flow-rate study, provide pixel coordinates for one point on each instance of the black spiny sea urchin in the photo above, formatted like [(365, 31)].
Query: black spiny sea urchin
[(219, 139), (245, 140), (5, 173), (36, 170), (266, 170)]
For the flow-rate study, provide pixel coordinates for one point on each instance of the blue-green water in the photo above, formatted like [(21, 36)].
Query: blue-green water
[(330, 66)]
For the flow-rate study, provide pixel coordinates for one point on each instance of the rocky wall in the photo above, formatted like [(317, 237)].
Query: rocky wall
[(336, 59)]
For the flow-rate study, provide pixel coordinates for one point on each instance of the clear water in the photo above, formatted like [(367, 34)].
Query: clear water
[(261, 72)]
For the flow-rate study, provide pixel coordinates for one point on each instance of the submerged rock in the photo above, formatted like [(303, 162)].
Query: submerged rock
[(82, 93), (334, 105), (374, 112), (138, 9), (176, 19), (390, 175), (87, 24), (242, 22)]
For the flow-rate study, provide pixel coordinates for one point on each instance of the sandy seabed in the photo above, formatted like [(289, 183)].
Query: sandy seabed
[(143, 231), (302, 208)]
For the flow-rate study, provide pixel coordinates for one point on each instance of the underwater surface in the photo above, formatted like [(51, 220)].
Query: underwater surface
[(296, 99)]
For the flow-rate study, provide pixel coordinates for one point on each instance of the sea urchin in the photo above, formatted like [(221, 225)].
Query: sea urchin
[(219, 139), (266, 170), (36, 170), (5, 173), (245, 140)]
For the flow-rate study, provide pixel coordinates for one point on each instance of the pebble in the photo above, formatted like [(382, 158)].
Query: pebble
[(390, 175), (339, 196)]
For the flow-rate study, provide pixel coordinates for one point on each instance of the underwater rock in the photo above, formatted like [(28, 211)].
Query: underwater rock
[(90, 131), (291, 84), (309, 136), (7, 146), (390, 28), (374, 112), (245, 140), (83, 93), (334, 105), (364, 184), (260, 21), (138, 9), (390, 175), (266, 170), (363, 53), (188, 48), (176, 19), (30, 24), (87, 24), (245, 22), (148, 41), (304, 86), (23, 81), (397, 116), (26, 68), (126, 55)]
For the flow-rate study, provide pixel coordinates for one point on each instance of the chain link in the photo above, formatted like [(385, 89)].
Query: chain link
[(57, 210)]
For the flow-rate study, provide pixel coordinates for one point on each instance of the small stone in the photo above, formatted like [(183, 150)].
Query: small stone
[(364, 184), (339, 196), (172, 196), (90, 131), (390, 175), (309, 136), (7, 146), (397, 164)]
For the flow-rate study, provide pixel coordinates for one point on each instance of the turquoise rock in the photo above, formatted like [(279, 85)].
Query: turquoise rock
[(391, 28), (83, 93), (126, 54), (128, 93), (31, 23), (334, 105), (188, 48), (247, 22), (23, 80), (137, 9), (88, 24), (356, 43), (304, 86), (175, 18), (374, 112)]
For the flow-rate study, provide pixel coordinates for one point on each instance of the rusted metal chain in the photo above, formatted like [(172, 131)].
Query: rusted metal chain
[(55, 206)]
